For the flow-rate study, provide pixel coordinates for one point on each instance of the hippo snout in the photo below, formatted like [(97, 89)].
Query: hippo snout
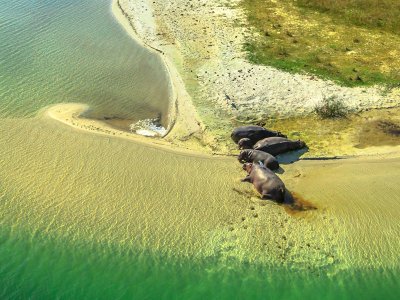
[(247, 167), (240, 157)]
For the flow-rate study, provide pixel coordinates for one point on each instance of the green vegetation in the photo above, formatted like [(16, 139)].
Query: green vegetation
[(374, 14), (331, 108), (353, 42)]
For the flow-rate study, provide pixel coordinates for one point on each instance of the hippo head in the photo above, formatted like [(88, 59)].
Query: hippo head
[(245, 132), (245, 143), (301, 144), (243, 156), (247, 167)]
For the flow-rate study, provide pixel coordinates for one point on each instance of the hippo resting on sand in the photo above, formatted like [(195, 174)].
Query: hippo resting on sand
[(255, 156), (269, 185), (272, 145), (254, 133)]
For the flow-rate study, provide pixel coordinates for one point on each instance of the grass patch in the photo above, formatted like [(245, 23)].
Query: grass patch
[(374, 14), (331, 108), (345, 41)]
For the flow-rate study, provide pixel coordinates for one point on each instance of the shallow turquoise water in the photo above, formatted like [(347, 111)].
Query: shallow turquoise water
[(56, 51), (37, 267)]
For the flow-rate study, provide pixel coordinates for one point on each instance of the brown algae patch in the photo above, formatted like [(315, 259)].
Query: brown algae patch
[(379, 133)]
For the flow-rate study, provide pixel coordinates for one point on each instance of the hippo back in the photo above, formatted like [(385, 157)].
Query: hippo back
[(267, 159), (275, 145), (269, 185), (254, 133)]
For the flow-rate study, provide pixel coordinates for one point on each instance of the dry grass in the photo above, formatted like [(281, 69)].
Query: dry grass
[(355, 42)]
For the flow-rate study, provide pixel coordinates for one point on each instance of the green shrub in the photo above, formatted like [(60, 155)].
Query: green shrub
[(331, 108)]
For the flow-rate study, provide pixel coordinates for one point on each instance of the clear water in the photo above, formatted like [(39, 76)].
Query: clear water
[(94, 217), (42, 268), (55, 51)]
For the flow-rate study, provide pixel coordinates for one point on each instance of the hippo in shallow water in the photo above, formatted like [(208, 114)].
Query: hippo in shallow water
[(254, 133), (278, 145), (255, 156), (266, 182)]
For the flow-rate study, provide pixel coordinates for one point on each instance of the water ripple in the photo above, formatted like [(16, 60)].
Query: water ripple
[(74, 51)]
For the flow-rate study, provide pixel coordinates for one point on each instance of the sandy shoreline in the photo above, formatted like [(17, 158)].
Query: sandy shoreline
[(70, 114), (184, 121), (185, 130)]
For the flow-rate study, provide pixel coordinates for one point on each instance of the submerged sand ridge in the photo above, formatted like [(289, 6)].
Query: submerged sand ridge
[(102, 188)]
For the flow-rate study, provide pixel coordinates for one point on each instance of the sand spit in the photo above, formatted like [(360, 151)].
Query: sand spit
[(139, 22), (207, 35), (70, 114)]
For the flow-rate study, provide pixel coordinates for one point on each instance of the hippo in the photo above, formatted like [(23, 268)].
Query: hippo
[(278, 145), (245, 143), (269, 185), (254, 133), (255, 156)]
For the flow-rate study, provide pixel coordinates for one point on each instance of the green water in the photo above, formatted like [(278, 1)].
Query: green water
[(84, 216), (43, 268)]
